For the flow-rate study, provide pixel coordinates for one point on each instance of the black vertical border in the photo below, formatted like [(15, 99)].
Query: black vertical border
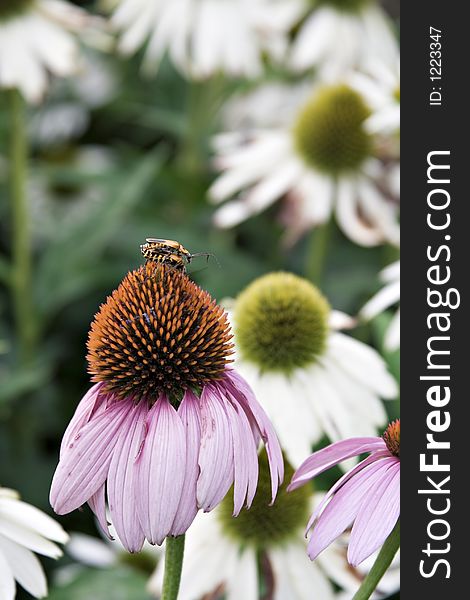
[(424, 129)]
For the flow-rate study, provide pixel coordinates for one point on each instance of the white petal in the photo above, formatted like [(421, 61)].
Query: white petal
[(392, 337), (363, 363), (32, 518), (304, 577), (244, 580), (26, 568), (348, 217), (90, 550), (386, 297), (7, 582), (29, 539)]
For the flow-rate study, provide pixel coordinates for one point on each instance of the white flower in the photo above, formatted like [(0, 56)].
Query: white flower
[(311, 379), (24, 530), (214, 560), (386, 297), (206, 36), (314, 151), (380, 84), (36, 39), (339, 35), (338, 396)]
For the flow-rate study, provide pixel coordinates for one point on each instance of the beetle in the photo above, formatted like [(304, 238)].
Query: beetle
[(168, 252)]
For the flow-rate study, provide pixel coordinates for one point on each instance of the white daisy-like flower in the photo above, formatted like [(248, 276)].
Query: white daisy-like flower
[(37, 39), (313, 150), (24, 530), (206, 36), (337, 35), (388, 296), (231, 555), (380, 84), (311, 379)]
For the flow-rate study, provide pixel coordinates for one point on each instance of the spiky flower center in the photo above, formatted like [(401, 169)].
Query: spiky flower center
[(281, 322), (391, 438), (329, 131), (158, 332), (345, 5), (11, 8), (264, 526)]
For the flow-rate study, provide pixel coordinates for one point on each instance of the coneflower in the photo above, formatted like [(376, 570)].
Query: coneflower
[(366, 497), (168, 427)]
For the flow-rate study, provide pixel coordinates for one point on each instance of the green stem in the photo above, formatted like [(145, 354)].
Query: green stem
[(174, 552), (383, 561), (318, 251), (21, 230)]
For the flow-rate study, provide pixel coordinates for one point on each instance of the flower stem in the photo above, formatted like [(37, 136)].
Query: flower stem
[(317, 252), (383, 561), (174, 552), (21, 230)]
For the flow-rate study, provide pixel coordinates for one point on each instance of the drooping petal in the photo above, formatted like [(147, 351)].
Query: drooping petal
[(161, 468), (97, 503), (332, 455), (188, 412), (343, 508), (84, 465), (216, 452), (242, 392), (245, 457), (122, 478), (24, 566), (375, 457), (82, 414), (377, 516)]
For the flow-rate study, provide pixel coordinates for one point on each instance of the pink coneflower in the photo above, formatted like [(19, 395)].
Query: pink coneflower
[(168, 427), (368, 496)]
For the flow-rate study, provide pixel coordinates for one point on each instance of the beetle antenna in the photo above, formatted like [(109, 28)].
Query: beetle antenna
[(207, 255)]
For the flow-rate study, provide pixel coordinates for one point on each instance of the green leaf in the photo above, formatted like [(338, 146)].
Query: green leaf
[(119, 583)]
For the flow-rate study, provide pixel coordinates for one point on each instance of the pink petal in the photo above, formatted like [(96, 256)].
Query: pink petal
[(82, 414), (84, 465), (188, 412), (343, 508), (122, 479), (161, 468), (216, 452), (332, 455), (377, 516), (376, 456), (97, 503), (245, 458), (244, 395)]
